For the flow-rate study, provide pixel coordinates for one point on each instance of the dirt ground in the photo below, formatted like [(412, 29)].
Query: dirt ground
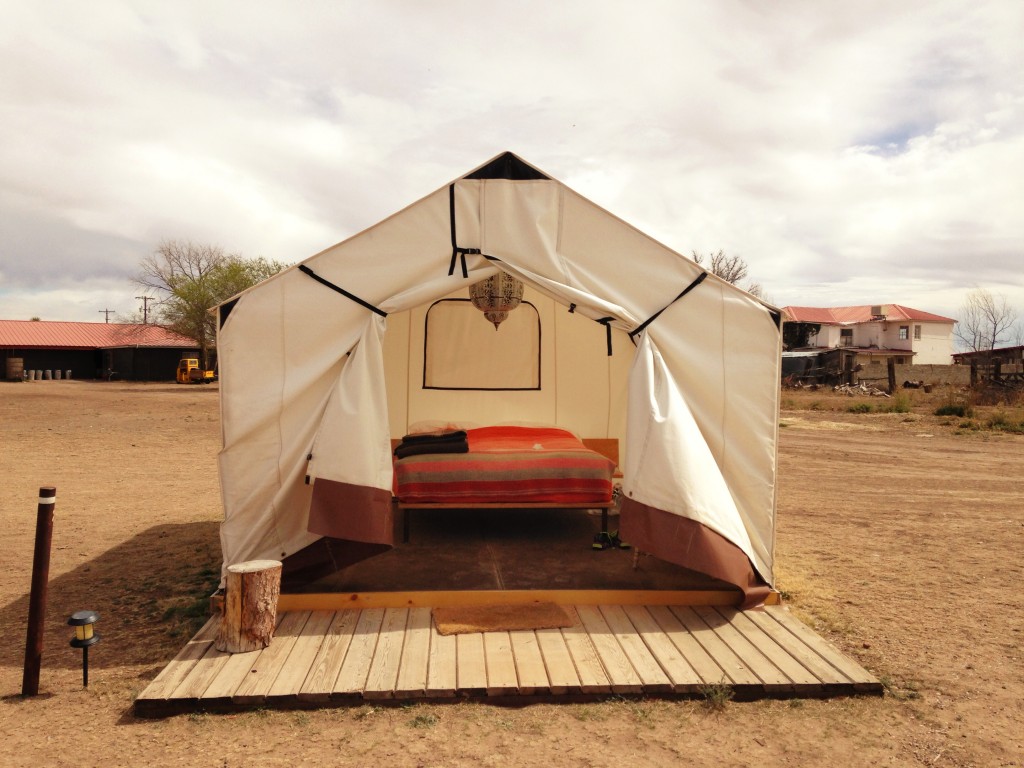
[(899, 538)]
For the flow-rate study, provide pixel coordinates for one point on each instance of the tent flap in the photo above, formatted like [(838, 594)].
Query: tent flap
[(355, 512), (692, 545)]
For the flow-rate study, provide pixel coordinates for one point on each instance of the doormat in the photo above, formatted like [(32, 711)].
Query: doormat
[(463, 619)]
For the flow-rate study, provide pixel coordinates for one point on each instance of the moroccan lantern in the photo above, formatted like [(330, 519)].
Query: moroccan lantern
[(497, 296)]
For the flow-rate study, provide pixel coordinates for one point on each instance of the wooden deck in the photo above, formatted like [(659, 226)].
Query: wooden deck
[(343, 657)]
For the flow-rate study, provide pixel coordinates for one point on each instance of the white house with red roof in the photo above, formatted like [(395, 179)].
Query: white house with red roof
[(879, 332)]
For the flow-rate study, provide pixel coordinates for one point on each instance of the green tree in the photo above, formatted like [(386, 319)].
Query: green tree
[(798, 335), (191, 279)]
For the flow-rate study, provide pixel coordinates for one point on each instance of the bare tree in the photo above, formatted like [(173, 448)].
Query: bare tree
[(190, 279), (985, 321), (732, 269)]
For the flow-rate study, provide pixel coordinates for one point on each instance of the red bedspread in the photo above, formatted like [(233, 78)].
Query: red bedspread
[(508, 465)]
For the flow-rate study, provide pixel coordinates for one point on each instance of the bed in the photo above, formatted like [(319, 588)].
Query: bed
[(504, 467)]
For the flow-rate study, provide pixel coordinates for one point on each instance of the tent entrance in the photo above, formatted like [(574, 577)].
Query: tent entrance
[(509, 549)]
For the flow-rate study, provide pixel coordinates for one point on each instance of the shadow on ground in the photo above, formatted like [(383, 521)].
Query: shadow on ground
[(151, 593)]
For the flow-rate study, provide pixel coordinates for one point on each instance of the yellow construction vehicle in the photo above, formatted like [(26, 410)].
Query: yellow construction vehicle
[(190, 372)]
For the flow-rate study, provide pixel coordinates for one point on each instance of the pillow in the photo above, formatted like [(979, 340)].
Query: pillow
[(540, 424), (439, 425)]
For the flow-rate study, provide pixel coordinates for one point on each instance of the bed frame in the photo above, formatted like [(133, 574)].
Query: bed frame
[(606, 446)]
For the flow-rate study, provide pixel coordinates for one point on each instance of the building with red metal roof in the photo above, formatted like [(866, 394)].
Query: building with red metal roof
[(878, 332), (94, 350)]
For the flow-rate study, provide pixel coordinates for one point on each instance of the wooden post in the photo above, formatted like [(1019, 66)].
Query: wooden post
[(37, 598), (891, 367), (250, 606)]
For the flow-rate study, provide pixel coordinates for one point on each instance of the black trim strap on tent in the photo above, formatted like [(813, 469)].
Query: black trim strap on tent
[(342, 291), (639, 329), (457, 252), (606, 322)]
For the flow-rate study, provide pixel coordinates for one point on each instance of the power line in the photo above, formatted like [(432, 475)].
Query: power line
[(145, 307)]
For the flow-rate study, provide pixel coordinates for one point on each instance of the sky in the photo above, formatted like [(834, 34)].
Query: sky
[(850, 153)]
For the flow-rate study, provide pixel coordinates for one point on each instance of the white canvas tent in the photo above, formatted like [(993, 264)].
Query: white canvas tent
[(323, 363)]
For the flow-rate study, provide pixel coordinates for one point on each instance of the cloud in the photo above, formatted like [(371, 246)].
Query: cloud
[(851, 154)]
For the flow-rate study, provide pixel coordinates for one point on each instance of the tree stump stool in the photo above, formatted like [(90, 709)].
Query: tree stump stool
[(250, 606)]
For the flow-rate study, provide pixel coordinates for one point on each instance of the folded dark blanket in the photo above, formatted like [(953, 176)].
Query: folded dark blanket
[(454, 441), (447, 446), (454, 436)]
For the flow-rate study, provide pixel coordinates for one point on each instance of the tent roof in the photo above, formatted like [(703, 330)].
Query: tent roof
[(506, 166)]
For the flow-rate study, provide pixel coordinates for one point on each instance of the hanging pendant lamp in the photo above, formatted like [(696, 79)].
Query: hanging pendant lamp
[(497, 296)]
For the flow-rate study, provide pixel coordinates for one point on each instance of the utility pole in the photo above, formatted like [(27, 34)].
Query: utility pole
[(145, 307), (106, 314)]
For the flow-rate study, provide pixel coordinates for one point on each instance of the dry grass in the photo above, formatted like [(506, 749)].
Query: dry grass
[(899, 538), (993, 408)]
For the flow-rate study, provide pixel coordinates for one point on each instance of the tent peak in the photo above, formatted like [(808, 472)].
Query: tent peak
[(507, 166)]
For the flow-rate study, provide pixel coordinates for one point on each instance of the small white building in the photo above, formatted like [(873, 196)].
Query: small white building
[(879, 332)]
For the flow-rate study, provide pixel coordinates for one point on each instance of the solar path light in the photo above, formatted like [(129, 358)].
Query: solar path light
[(85, 636)]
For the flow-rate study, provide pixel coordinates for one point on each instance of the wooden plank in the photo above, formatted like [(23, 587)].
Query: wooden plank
[(775, 653), (352, 675), (231, 674), (529, 663), (862, 679), (472, 666), (200, 676), (501, 666), (621, 674), (770, 676), (593, 678), (828, 675), (275, 657), (561, 672), (324, 669), (304, 653), (640, 657), (170, 677), (412, 672), (383, 675), (735, 669), (707, 669), (438, 599), (682, 676), (442, 667)]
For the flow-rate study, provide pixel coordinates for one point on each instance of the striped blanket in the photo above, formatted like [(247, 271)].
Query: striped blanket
[(507, 464)]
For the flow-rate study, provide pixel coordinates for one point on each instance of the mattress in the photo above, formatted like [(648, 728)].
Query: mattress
[(508, 465)]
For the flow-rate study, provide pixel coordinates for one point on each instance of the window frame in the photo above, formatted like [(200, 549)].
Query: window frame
[(540, 351)]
